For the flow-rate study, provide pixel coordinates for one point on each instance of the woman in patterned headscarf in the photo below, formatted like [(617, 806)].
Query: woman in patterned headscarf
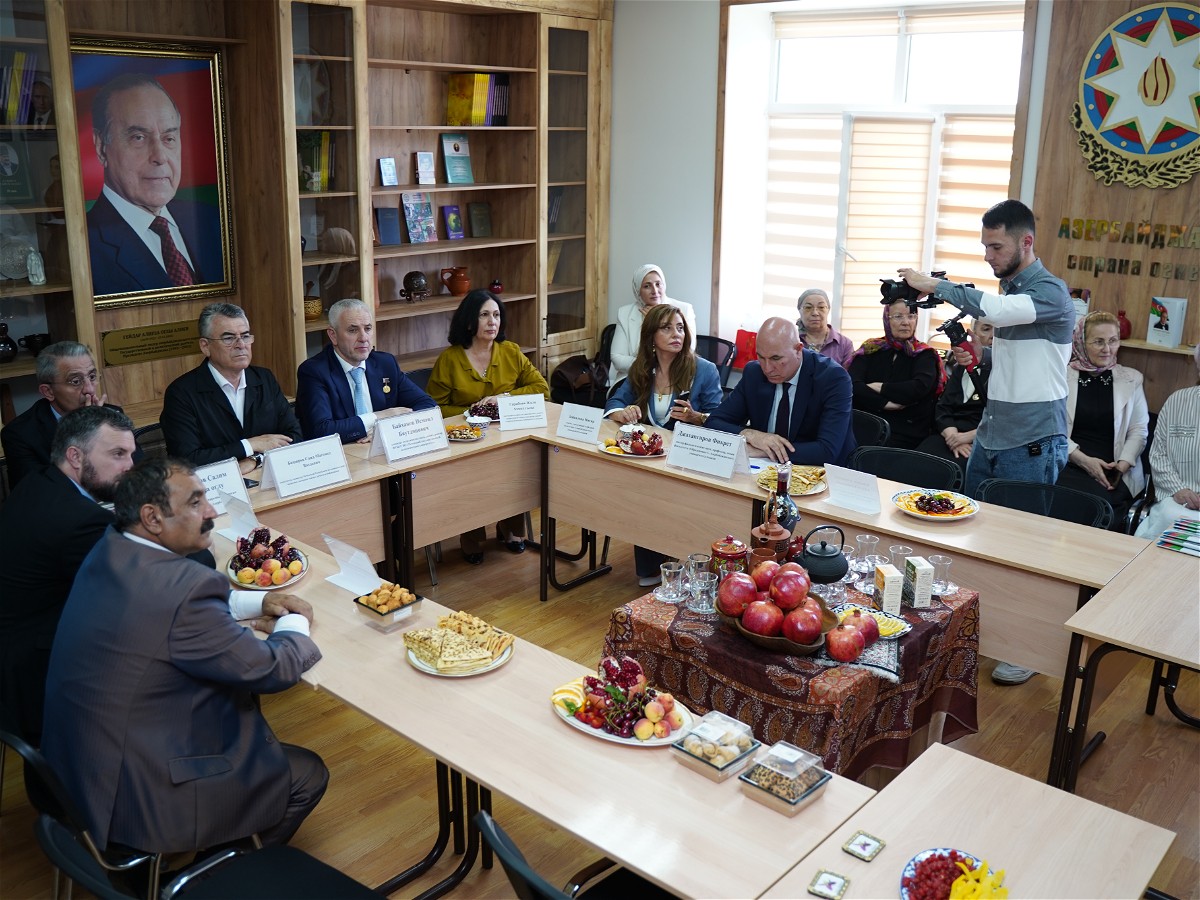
[(898, 377), (649, 289)]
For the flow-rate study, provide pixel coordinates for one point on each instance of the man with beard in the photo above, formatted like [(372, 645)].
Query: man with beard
[(47, 526), (150, 718), (1023, 433)]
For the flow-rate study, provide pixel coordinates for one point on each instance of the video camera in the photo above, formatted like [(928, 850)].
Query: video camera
[(895, 291), (957, 335)]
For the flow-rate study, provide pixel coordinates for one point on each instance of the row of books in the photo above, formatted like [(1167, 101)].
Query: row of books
[(317, 156), (474, 98), (420, 222), (16, 87)]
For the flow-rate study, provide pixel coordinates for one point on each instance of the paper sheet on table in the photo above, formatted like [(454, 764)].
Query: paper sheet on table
[(241, 518), (356, 573), (852, 490), (758, 463)]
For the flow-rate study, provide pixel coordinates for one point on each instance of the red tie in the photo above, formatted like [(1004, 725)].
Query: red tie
[(178, 270)]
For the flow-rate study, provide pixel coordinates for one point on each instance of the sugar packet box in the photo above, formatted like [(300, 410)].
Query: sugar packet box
[(918, 582), (889, 588)]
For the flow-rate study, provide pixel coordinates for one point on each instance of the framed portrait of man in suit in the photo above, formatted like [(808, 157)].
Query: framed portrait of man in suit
[(151, 120)]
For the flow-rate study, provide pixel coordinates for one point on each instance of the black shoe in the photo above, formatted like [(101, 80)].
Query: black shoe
[(475, 559), (515, 545)]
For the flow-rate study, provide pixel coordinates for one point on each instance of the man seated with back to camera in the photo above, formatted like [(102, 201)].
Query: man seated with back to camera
[(150, 718), (792, 404)]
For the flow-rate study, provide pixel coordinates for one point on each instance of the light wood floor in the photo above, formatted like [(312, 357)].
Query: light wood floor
[(379, 813)]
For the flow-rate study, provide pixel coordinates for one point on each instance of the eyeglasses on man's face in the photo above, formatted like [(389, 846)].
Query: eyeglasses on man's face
[(78, 381), (232, 340)]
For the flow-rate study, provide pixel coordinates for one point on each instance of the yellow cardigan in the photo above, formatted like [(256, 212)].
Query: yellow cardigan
[(454, 384)]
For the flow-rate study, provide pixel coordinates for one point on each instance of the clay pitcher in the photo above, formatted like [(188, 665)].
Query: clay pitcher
[(456, 280)]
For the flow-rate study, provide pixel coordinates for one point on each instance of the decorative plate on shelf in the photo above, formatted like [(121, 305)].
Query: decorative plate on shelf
[(939, 506), (14, 257), (314, 95)]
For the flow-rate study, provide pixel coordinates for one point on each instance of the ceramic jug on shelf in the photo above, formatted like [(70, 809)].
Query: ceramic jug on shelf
[(8, 347), (455, 279)]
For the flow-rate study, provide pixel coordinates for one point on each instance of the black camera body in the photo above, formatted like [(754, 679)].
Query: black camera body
[(895, 291)]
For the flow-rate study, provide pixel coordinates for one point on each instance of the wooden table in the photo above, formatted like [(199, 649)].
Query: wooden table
[(635, 805), (1149, 609), (852, 718), (1050, 843)]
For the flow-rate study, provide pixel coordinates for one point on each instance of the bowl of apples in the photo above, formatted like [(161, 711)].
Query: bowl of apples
[(263, 564)]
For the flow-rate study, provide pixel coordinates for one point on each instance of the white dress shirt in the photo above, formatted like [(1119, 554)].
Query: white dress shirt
[(236, 395)]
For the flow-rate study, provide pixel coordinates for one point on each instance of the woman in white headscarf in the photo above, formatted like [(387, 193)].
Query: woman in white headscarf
[(649, 289)]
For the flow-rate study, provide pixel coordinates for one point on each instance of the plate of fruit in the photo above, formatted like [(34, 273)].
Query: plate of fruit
[(937, 873), (891, 627), (935, 506), (618, 705), (262, 564), (485, 409), (634, 441)]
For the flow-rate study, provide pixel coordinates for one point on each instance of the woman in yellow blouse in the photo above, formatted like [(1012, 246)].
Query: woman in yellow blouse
[(480, 365)]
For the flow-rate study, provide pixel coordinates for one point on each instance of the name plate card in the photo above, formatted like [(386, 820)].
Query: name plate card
[(707, 451), (580, 423), (307, 466), (355, 572), (410, 434), (850, 489), (522, 411), (241, 517), (223, 479)]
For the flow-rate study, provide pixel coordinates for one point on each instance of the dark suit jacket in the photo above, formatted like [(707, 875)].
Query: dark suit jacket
[(27, 440), (821, 427), (150, 719), (199, 425), (122, 262), (325, 404)]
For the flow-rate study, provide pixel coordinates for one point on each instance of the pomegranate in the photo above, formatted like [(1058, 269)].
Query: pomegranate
[(763, 618)]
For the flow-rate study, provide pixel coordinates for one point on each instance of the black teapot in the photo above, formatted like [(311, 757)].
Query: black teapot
[(416, 287), (824, 561)]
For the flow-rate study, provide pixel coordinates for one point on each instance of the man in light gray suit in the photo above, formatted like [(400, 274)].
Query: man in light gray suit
[(151, 719)]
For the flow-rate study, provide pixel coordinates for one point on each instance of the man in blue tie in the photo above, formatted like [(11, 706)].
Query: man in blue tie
[(346, 387), (796, 401)]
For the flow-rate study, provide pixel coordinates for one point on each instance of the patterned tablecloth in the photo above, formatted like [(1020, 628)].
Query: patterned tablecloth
[(852, 719)]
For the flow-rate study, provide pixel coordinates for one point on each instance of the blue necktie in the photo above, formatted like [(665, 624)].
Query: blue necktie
[(362, 403)]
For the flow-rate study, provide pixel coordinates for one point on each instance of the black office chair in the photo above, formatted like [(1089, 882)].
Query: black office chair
[(529, 885), (604, 354), (719, 352), (420, 377), (151, 441), (922, 470), (870, 430), (1051, 500)]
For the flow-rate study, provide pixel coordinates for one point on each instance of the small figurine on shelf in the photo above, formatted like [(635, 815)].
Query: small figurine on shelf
[(1124, 326), (416, 287), (497, 286), (312, 302), (37, 271)]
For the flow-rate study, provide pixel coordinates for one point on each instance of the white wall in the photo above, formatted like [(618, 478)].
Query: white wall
[(664, 121)]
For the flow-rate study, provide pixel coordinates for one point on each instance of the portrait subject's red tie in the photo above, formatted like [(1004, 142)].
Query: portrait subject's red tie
[(177, 267)]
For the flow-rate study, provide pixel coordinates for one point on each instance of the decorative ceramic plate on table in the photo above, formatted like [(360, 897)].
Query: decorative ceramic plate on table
[(805, 480), (941, 506), (423, 666), (910, 867), (880, 616), (231, 573), (689, 720)]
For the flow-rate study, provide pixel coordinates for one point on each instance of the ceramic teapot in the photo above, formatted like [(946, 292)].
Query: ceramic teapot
[(455, 279), (35, 343), (824, 561)]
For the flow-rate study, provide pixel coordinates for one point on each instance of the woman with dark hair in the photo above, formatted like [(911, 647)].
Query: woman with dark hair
[(479, 365), (898, 377)]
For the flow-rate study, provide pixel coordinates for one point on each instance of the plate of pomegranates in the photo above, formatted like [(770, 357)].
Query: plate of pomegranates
[(635, 442), (617, 705)]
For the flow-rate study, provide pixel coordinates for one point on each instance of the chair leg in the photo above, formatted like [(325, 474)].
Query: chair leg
[(429, 554), (1156, 679)]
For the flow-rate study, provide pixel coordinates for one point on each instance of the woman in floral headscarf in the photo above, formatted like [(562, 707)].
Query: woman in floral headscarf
[(898, 377), (649, 289), (1107, 418)]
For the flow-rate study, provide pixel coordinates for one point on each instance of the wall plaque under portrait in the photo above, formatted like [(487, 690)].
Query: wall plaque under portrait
[(152, 145)]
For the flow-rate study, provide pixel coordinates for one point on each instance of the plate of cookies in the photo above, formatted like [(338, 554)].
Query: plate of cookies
[(461, 645)]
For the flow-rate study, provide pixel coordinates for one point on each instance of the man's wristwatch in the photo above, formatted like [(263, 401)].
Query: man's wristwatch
[(258, 460)]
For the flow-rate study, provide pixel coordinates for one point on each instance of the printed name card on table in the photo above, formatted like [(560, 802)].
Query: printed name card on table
[(522, 411), (307, 466), (580, 423), (708, 451), (852, 490), (411, 434), (241, 517), (220, 480), (355, 572)]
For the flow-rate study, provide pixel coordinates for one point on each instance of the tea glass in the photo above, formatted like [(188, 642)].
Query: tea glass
[(694, 565), (899, 553), (704, 594), (671, 589), (867, 545), (942, 584), (866, 584)]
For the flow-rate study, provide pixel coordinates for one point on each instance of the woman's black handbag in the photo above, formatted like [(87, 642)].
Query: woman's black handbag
[(579, 380)]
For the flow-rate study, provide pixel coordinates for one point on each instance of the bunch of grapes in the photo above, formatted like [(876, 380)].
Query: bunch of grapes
[(624, 711), (490, 409), (935, 503), (257, 548)]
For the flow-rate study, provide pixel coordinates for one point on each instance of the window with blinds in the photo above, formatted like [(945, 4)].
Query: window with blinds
[(869, 174)]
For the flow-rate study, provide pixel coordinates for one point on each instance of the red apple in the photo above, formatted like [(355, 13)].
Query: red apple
[(735, 593), (763, 618), (763, 573), (866, 625), (788, 589), (844, 643), (802, 626)]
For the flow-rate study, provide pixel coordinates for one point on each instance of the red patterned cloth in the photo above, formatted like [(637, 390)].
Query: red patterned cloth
[(850, 718)]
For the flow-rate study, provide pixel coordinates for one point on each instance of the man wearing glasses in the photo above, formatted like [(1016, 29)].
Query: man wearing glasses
[(226, 407), (67, 380)]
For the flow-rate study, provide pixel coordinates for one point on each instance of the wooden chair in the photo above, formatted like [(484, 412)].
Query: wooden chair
[(909, 466), (870, 430)]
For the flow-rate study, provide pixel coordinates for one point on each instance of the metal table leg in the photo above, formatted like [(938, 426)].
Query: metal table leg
[(446, 814), (468, 861)]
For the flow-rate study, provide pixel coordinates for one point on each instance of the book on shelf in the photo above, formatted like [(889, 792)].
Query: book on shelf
[(480, 215), (454, 222), (456, 151), (418, 215), (387, 171), (425, 167), (315, 159), (1165, 326), (498, 112), (474, 98), (554, 198), (553, 252), (387, 223), (479, 101), (17, 88), (460, 96)]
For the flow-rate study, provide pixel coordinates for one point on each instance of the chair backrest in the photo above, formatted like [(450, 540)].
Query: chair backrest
[(527, 883), (150, 439), (921, 470), (69, 855), (604, 354), (1051, 500), (420, 377), (719, 352), (870, 430)]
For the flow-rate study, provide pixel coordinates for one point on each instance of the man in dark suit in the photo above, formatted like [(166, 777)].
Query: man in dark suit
[(150, 716), (41, 106), (796, 401), (139, 236), (346, 387), (67, 380), (47, 526), (226, 407)]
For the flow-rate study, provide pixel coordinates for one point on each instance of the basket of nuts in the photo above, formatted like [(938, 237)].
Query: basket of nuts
[(718, 747), (785, 778)]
